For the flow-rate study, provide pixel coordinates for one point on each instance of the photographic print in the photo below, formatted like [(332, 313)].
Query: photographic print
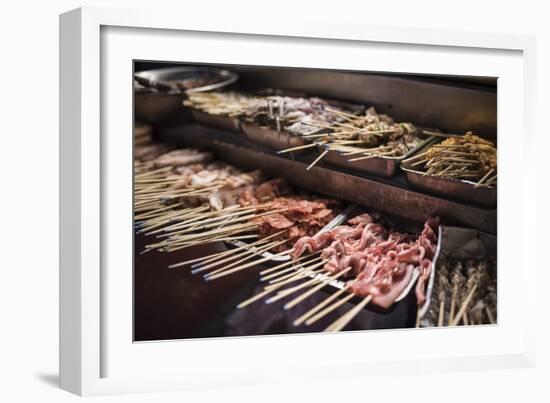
[(277, 200)]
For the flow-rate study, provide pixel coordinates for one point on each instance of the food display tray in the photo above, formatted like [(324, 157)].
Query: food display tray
[(454, 188), (217, 121), (460, 243), (386, 167), (271, 138)]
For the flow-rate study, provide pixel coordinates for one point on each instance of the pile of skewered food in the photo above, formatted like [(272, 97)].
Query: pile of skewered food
[(186, 198), (297, 115), (379, 264), (464, 293), (467, 157), (361, 137), (232, 104)]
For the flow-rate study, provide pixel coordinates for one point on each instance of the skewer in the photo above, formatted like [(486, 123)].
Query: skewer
[(441, 312), (342, 113), (484, 177), (216, 256), (284, 293), (290, 278), (329, 309), (269, 290), (318, 307), (463, 307), (439, 134), (252, 253), (238, 218), (317, 160), (306, 294), (272, 269), (417, 324), (286, 150), (236, 269), (197, 237), (206, 241), (452, 310), (280, 273), (374, 155), (363, 150), (342, 322), (415, 157)]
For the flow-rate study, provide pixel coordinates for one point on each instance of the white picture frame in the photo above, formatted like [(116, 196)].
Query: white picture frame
[(96, 354)]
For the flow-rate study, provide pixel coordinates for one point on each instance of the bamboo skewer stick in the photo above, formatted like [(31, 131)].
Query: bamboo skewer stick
[(342, 113), (292, 277), (166, 219), (463, 307), (236, 269), (453, 307), (286, 150), (439, 134), (441, 312), (150, 173), (211, 258), (310, 292), (363, 150), (251, 253), (248, 252), (374, 155), (268, 290), (329, 309), (319, 306), (206, 240), (484, 177), (223, 231), (342, 322), (317, 160), (277, 275), (288, 275), (238, 218), (284, 293), (272, 269)]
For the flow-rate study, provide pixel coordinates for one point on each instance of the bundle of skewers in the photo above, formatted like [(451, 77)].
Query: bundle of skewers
[(361, 137), (467, 157), (232, 104), (186, 198), (378, 264), (464, 293), (296, 115)]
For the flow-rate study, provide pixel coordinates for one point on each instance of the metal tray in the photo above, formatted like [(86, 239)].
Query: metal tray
[(460, 243), (454, 188), (156, 106), (339, 219), (271, 138), (386, 167), (217, 121)]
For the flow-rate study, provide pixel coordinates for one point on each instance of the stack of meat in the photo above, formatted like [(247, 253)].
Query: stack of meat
[(189, 168), (298, 216), (382, 260)]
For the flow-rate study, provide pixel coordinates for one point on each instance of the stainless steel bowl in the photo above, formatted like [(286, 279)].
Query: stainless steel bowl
[(158, 96)]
